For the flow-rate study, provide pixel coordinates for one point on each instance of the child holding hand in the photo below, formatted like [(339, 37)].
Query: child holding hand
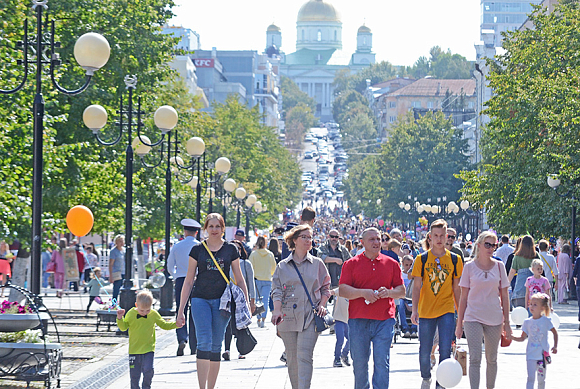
[(140, 321), (535, 329)]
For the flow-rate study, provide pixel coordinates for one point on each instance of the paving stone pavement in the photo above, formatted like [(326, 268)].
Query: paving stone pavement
[(262, 369)]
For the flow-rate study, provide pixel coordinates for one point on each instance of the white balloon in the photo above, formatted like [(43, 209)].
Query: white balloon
[(449, 373), (519, 314), (468, 237), (555, 320), (157, 280)]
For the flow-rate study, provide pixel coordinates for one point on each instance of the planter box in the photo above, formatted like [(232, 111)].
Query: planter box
[(21, 322), (29, 359)]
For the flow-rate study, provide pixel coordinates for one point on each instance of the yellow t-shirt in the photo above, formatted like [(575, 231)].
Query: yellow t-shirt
[(437, 292)]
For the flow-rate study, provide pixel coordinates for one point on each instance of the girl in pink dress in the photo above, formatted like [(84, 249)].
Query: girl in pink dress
[(59, 266), (537, 283)]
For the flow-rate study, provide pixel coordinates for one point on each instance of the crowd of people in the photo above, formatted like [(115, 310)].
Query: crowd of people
[(374, 280)]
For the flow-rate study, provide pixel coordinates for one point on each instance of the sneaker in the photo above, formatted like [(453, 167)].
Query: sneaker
[(426, 384), (226, 355), (345, 360), (180, 348), (438, 386), (262, 323), (407, 335), (414, 335), (337, 363), (283, 357)]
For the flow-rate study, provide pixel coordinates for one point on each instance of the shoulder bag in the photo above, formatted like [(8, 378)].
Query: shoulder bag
[(320, 323), (245, 341)]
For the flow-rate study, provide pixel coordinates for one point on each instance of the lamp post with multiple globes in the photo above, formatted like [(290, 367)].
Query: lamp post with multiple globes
[(91, 52), (95, 118)]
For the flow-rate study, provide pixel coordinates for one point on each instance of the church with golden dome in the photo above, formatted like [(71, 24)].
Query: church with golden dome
[(319, 53)]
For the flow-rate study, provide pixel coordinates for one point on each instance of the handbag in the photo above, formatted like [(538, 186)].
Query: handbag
[(245, 341), (50, 267), (320, 323), (259, 305)]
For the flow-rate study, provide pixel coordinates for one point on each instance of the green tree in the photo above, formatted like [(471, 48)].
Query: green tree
[(379, 72), (534, 129), (420, 158), (298, 120), (293, 96)]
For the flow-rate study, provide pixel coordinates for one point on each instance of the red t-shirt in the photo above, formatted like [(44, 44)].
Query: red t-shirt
[(362, 273)]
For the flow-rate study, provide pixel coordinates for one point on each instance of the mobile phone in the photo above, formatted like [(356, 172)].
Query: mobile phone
[(278, 320)]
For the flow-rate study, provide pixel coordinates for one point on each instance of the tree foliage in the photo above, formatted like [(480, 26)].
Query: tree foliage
[(534, 129), (442, 64), (420, 158), (77, 170)]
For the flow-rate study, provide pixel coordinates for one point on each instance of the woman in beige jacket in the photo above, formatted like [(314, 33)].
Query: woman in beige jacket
[(264, 265)]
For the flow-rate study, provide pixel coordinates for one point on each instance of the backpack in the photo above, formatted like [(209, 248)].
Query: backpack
[(424, 256)]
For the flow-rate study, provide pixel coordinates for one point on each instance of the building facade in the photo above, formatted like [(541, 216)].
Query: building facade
[(319, 53), (501, 16)]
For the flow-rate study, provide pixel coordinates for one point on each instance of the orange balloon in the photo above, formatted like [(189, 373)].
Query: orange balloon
[(79, 220)]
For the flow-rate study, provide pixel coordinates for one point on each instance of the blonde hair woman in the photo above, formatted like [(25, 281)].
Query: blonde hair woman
[(483, 308)]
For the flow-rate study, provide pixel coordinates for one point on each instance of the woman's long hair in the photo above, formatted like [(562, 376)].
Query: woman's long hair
[(527, 248), (274, 246), (480, 240)]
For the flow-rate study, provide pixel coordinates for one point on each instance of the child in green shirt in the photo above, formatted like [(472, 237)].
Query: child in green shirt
[(140, 321)]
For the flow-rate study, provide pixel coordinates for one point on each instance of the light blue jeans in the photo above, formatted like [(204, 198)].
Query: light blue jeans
[(264, 288), (210, 327), (363, 332), (446, 326)]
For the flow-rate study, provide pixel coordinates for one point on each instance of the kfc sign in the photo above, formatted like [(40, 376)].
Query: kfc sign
[(203, 63)]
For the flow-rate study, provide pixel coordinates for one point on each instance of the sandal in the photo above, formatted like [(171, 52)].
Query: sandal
[(241, 356)]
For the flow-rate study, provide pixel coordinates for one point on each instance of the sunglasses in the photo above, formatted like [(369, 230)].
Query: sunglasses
[(451, 237), (384, 240), (333, 236), (438, 262), (488, 245)]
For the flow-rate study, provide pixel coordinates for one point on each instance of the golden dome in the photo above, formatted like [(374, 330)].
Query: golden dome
[(364, 29), (273, 28), (318, 11)]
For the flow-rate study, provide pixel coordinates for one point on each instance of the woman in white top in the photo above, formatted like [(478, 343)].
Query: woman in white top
[(483, 308)]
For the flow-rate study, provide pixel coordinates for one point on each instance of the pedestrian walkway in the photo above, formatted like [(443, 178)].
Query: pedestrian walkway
[(262, 368)]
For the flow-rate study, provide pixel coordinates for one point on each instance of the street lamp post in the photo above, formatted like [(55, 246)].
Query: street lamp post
[(95, 118), (554, 183), (91, 52), (251, 201)]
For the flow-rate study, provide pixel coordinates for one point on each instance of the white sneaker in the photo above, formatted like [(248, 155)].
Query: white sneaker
[(426, 384)]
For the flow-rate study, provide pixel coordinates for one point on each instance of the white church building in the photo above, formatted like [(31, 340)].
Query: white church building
[(319, 53)]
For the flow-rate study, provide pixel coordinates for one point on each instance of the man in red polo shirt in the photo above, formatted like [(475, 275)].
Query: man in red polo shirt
[(371, 281)]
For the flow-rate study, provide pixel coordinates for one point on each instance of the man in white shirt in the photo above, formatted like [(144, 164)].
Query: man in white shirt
[(550, 267), (505, 250), (177, 264)]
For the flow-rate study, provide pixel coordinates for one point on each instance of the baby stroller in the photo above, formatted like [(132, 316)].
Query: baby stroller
[(404, 328)]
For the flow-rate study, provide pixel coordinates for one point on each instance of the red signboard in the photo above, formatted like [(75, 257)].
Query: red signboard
[(203, 62)]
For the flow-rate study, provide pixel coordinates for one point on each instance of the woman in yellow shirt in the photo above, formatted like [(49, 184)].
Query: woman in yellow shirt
[(264, 265)]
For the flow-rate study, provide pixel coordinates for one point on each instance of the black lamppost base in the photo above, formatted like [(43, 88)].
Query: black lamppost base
[(127, 297), (166, 300)]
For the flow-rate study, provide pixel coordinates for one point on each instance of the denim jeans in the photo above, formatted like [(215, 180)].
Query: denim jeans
[(117, 288), (363, 332), (210, 327), (184, 334), (403, 318), (427, 327), (341, 332), (264, 288)]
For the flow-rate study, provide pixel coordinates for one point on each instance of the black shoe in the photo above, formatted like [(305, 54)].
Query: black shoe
[(345, 360), (180, 349), (226, 355), (193, 352), (283, 357), (337, 363)]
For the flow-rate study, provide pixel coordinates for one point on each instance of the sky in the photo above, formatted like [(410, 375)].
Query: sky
[(403, 30)]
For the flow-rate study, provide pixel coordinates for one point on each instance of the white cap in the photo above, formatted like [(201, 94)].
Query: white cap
[(190, 224)]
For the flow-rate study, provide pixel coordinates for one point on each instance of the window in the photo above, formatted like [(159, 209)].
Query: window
[(430, 104), (392, 119), (392, 104), (416, 104), (364, 40), (302, 34), (335, 35), (470, 104), (319, 36)]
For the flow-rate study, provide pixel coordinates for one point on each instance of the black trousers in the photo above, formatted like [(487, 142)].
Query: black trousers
[(141, 363)]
